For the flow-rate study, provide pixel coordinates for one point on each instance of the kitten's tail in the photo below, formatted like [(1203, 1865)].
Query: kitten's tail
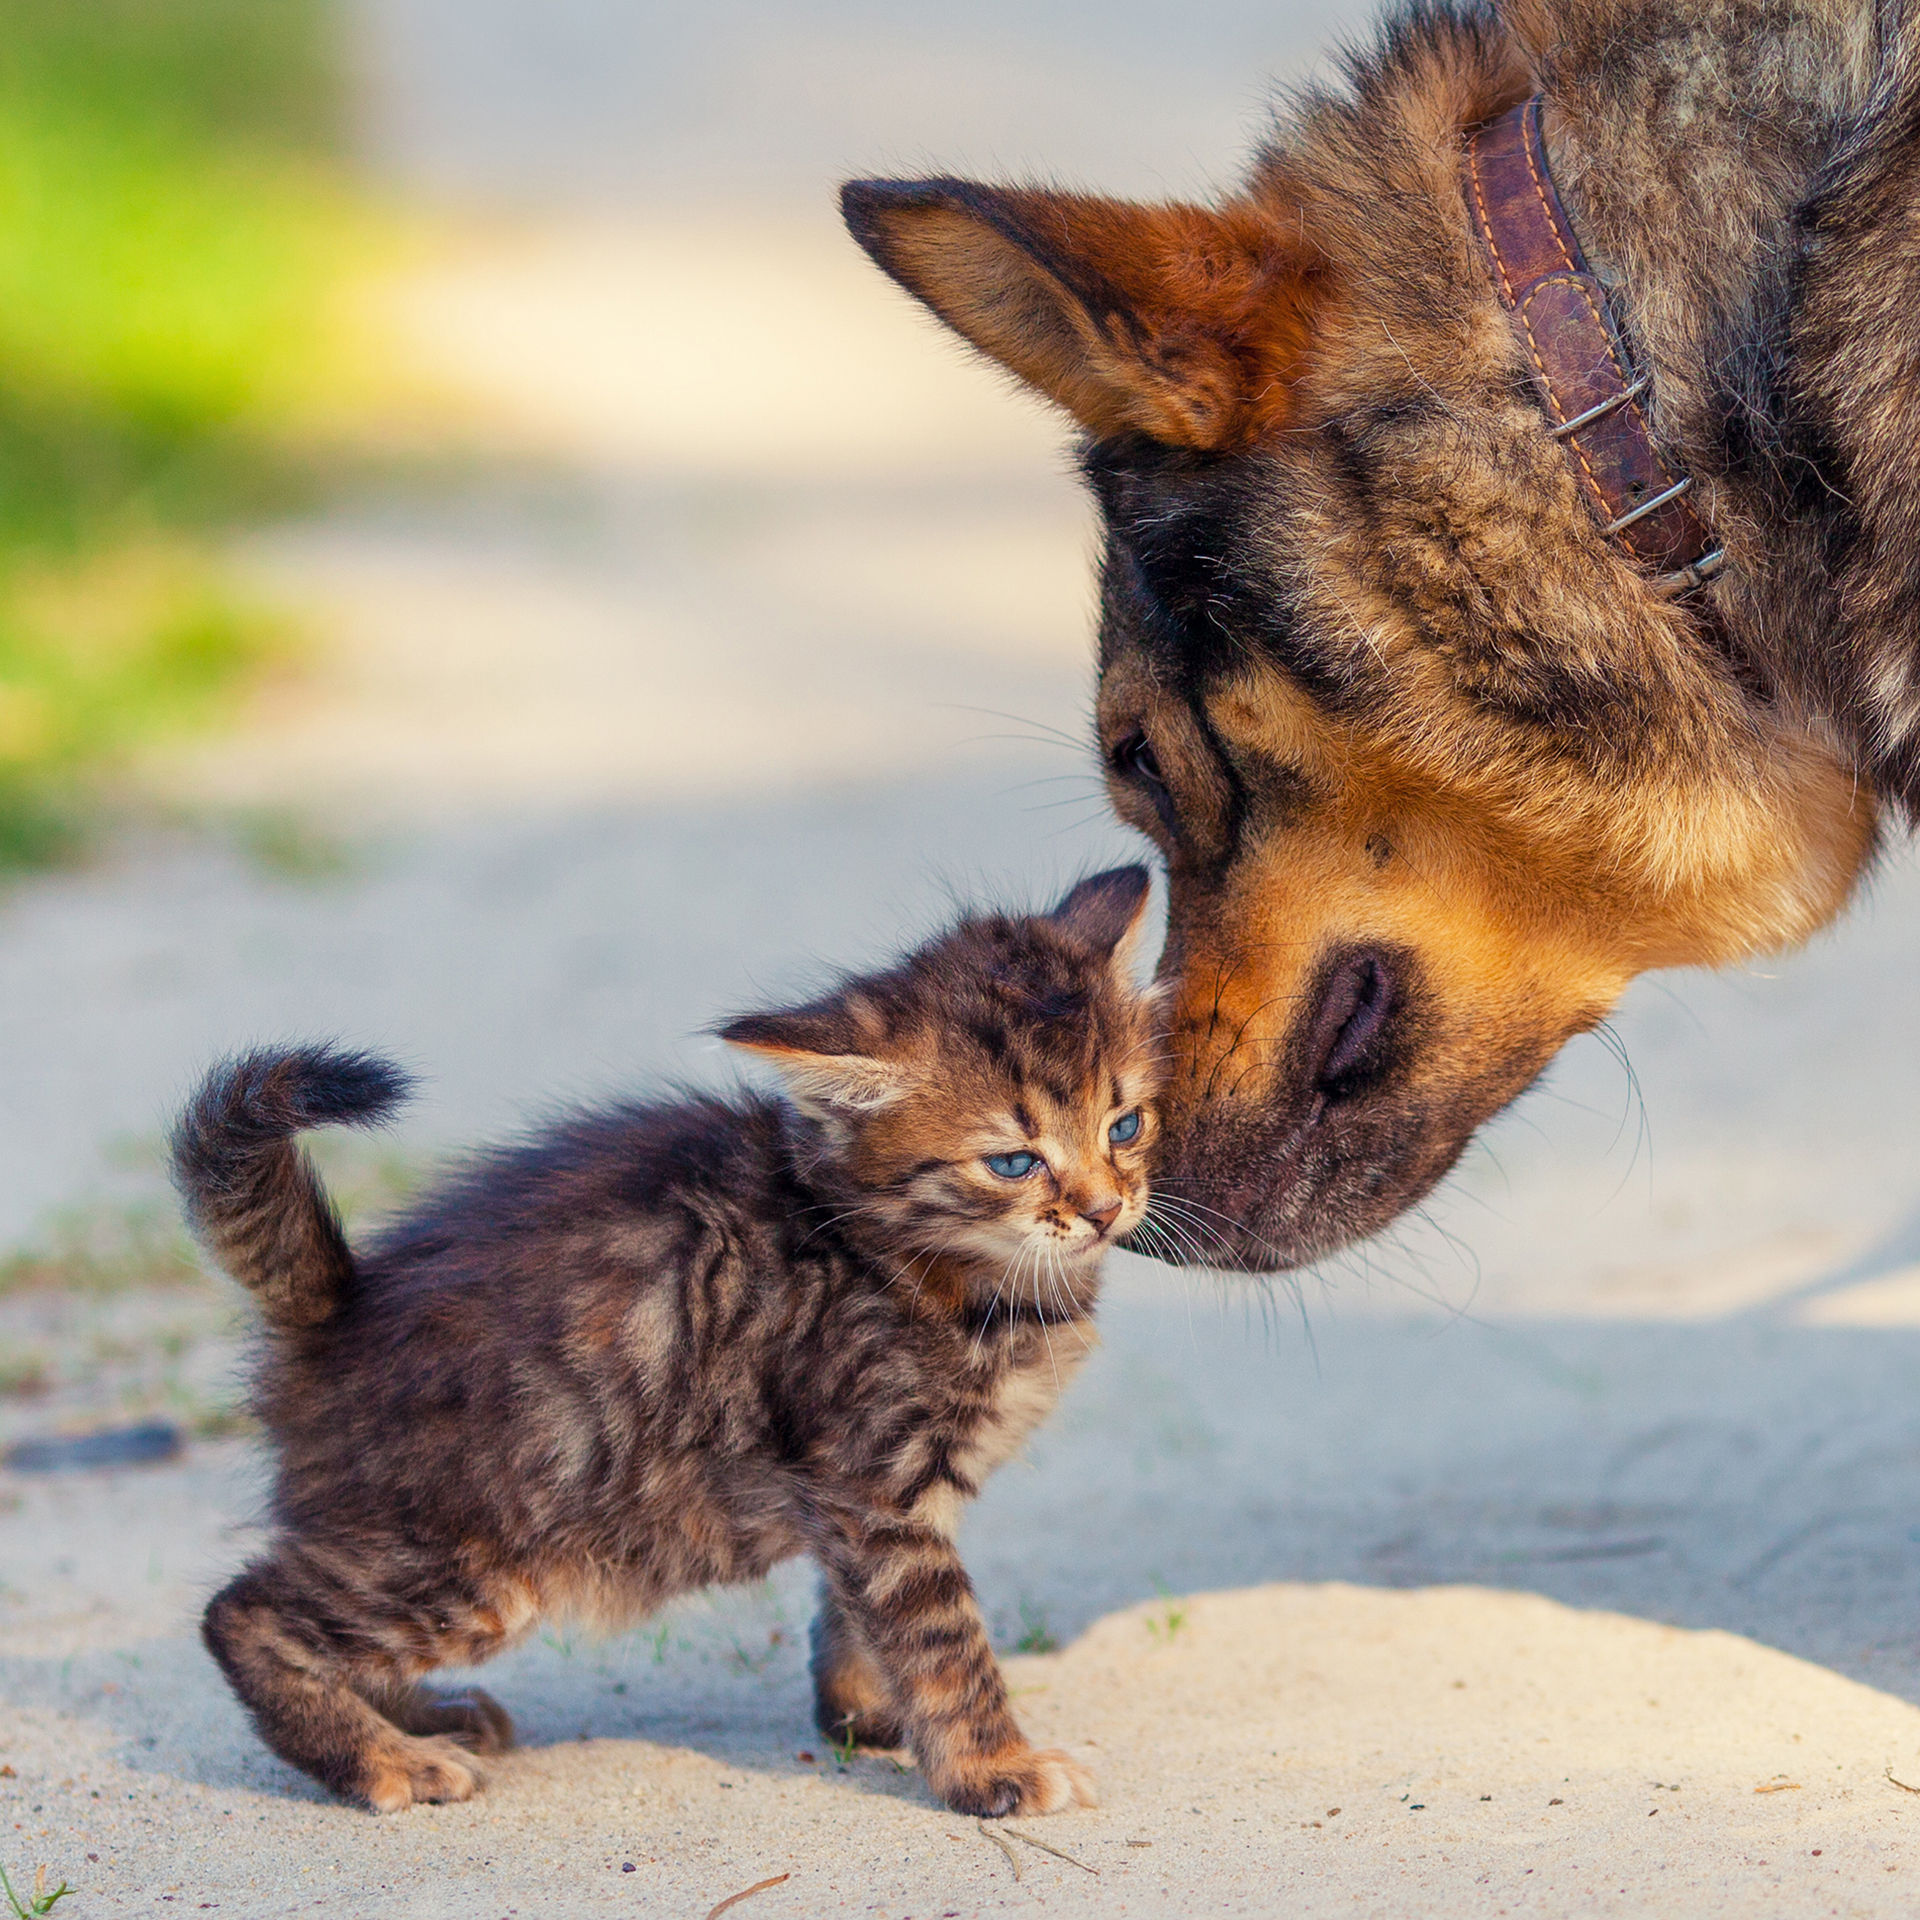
[(252, 1195)]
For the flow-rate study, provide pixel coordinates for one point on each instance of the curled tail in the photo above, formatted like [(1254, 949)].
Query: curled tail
[(252, 1195)]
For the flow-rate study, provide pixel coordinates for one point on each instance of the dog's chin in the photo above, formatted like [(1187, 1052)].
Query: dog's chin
[(1260, 1191)]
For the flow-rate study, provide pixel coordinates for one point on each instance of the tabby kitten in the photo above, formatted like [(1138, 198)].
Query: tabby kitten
[(666, 1345)]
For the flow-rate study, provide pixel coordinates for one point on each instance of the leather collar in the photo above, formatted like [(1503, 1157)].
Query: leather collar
[(1579, 355)]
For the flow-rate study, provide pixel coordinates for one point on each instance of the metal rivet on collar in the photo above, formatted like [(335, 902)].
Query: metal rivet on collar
[(1670, 586), (1659, 500), (1605, 407)]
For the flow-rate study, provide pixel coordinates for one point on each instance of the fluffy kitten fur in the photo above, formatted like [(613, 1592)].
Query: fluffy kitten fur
[(666, 1345)]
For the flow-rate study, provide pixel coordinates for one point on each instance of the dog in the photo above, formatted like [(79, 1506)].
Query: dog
[(1443, 737)]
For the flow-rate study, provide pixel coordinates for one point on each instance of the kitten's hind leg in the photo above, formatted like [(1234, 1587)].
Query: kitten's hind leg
[(469, 1716), (291, 1677), (850, 1698)]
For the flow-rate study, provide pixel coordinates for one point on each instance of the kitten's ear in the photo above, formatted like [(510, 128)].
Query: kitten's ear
[(1108, 912), (820, 1052)]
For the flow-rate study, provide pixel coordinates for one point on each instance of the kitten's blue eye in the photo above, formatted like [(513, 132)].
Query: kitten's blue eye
[(1012, 1166), (1125, 1128)]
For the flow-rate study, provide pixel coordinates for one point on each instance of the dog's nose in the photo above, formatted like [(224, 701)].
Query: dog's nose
[(1102, 1215), (1348, 1043)]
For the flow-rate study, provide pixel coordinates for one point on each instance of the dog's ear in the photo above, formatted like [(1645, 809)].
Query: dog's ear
[(1185, 323)]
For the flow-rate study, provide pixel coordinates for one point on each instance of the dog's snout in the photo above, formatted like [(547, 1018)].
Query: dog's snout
[(1349, 1043)]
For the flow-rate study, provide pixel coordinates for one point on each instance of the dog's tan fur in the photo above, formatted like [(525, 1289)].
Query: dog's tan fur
[(1372, 675)]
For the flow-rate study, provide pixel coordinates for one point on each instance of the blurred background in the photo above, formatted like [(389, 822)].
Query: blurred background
[(488, 570), (455, 447)]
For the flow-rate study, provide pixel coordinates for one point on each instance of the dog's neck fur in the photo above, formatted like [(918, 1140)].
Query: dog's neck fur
[(1727, 185)]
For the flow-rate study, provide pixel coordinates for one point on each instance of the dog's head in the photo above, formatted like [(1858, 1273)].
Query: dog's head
[(1434, 770)]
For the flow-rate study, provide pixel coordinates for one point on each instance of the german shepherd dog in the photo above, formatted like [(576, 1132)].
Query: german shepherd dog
[(1439, 758)]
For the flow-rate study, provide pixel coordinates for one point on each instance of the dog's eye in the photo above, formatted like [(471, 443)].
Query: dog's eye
[(1134, 759), (1135, 755), (1012, 1166)]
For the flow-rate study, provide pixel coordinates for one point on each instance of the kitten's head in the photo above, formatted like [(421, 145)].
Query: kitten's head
[(990, 1096)]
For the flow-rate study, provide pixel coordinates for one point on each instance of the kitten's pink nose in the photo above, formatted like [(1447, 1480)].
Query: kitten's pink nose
[(1103, 1215)]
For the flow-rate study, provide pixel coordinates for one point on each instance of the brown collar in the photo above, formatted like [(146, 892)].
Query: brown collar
[(1592, 388)]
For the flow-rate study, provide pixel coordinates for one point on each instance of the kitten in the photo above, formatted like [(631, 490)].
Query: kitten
[(666, 1345)]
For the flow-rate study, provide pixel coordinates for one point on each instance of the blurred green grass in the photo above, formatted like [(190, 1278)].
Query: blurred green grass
[(176, 227)]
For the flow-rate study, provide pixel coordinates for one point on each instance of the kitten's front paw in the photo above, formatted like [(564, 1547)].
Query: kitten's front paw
[(1018, 1780), (404, 1771)]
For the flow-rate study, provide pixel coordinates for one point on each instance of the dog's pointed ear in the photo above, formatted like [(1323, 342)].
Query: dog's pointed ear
[(1188, 324)]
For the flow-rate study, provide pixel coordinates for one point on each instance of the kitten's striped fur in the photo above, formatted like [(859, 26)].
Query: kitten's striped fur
[(668, 1345)]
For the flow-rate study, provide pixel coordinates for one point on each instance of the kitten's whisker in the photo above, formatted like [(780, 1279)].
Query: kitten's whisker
[(1142, 1234), (912, 1261), (1182, 1236), (979, 1338), (1200, 1217), (1082, 1323), (1162, 1198), (1044, 1250), (932, 1254), (1030, 1252), (1165, 1195), (1216, 1252), (1165, 1244), (1150, 1235), (1172, 1250), (854, 1211)]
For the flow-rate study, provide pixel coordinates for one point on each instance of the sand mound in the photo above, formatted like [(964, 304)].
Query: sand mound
[(1296, 1749)]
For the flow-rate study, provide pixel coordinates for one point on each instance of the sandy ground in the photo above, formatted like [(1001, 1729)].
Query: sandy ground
[(1565, 1543), (1497, 1675)]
